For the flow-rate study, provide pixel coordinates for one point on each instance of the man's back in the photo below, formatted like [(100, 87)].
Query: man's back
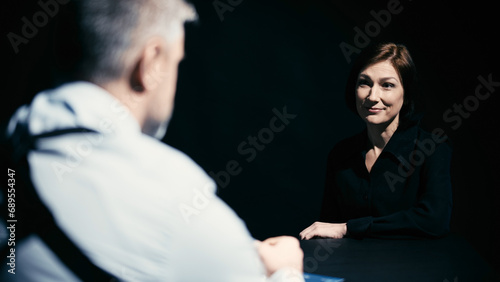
[(138, 208)]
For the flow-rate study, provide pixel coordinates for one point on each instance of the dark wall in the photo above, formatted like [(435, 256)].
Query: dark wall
[(260, 98)]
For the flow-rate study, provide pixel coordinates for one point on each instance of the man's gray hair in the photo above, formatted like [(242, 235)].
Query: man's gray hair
[(110, 29)]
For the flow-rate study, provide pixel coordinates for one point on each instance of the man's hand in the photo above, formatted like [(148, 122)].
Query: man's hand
[(280, 252), (323, 229)]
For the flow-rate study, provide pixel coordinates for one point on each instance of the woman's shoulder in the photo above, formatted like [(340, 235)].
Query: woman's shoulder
[(434, 143), (436, 135)]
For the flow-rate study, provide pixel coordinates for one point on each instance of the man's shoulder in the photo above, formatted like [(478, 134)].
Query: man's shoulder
[(128, 161), (160, 155)]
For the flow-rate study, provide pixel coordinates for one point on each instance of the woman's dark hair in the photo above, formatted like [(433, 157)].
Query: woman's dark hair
[(399, 56)]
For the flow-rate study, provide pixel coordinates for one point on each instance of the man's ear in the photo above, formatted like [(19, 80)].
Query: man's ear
[(148, 69)]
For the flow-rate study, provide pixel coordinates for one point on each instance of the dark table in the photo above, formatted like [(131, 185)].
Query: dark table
[(449, 259)]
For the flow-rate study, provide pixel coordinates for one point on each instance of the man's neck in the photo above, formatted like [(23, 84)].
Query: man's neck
[(128, 97)]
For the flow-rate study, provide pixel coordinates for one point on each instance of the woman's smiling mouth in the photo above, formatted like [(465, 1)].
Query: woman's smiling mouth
[(374, 109)]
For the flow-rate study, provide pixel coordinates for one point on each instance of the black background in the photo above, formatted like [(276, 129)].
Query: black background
[(272, 54)]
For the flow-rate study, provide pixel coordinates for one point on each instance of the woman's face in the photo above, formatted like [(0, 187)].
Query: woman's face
[(379, 94)]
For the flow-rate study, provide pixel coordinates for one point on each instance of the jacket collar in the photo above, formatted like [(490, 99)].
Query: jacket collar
[(402, 141), (399, 147)]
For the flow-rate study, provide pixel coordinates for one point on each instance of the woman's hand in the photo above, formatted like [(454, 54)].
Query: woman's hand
[(323, 229)]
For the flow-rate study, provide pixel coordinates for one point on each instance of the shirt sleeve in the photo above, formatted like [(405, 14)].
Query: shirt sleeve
[(287, 274), (215, 245), (429, 217)]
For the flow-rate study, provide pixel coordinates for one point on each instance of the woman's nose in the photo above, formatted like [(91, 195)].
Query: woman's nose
[(374, 95)]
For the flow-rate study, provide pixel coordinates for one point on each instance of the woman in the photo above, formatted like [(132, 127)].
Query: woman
[(393, 179)]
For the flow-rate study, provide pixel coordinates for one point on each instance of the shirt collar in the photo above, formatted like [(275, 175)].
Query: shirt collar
[(399, 146), (402, 141), (81, 104)]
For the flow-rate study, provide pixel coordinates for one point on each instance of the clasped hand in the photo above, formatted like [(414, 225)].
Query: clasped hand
[(281, 252)]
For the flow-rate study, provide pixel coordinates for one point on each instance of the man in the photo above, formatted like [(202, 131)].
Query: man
[(137, 208)]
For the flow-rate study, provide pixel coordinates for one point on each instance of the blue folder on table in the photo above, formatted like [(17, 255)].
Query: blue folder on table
[(309, 277)]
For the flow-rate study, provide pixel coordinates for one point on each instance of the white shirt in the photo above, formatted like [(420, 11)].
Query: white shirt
[(138, 208)]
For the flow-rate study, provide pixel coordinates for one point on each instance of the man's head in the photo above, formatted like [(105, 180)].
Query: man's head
[(132, 48)]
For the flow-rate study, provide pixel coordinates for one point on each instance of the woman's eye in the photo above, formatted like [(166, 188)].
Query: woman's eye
[(363, 82), (387, 85)]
